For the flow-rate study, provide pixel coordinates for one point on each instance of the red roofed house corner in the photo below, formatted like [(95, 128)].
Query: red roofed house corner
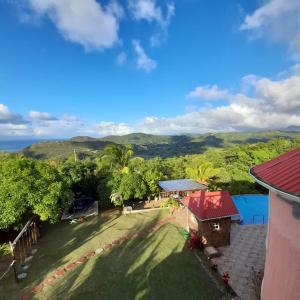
[(282, 267), (209, 214)]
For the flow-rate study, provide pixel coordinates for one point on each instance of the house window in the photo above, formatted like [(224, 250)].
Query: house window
[(216, 226)]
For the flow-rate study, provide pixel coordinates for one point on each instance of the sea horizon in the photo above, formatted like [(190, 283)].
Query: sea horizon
[(17, 145)]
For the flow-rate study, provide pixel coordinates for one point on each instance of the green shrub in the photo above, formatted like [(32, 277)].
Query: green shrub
[(171, 202), (4, 249)]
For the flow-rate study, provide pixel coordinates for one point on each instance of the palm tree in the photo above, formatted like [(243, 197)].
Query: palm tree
[(202, 172), (118, 155)]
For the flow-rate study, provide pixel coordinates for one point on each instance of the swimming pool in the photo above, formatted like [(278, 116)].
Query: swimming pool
[(253, 209)]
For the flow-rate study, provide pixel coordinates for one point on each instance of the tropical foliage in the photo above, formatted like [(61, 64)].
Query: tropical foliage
[(172, 203), (28, 187), (45, 187)]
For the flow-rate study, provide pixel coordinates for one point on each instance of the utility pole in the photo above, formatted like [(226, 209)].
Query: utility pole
[(75, 156)]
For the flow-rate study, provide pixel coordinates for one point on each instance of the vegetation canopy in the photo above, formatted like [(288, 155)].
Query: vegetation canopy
[(46, 187)]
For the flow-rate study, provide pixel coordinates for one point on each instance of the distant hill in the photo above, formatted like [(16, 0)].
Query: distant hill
[(138, 139), (148, 146), (293, 128)]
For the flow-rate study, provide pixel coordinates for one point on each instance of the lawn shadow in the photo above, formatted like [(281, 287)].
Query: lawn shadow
[(150, 266), (153, 265), (59, 241)]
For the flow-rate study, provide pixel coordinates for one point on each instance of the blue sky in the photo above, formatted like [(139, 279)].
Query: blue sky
[(115, 67)]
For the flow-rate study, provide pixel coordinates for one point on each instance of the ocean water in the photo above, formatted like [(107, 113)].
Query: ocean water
[(16, 145)]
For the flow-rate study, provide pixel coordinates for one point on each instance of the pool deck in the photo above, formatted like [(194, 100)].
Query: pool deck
[(245, 253)]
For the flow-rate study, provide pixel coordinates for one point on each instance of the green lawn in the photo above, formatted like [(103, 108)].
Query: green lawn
[(156, 265)]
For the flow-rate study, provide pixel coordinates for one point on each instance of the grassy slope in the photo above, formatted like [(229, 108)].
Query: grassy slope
[(155, 266), (149, 146)]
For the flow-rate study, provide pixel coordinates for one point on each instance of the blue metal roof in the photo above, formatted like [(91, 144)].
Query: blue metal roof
[(180, 185)]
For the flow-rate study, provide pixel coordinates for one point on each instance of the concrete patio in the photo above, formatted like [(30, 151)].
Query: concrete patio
[(245, 253)]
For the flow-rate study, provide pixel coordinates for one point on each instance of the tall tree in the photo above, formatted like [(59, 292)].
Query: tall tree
[(29, 187), (118, 156), (132, 186), (201, 170)]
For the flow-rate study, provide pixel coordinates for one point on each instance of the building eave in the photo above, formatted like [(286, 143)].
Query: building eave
[(216, 218), (274, 189)]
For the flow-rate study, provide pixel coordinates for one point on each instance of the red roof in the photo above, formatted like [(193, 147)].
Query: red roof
[(282, 172), (210, 205)]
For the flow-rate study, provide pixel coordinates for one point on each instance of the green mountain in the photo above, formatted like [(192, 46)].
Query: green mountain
[(138, 139), (148, 146)]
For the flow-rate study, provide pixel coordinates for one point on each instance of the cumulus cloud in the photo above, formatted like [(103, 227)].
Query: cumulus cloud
[(12, 124), (161, 34), (8, 117), (209, 92), (43, 124), (15, 130), (145, 10), (143, 62), (260, 104), (272, 104), (149, 11), (40, 116), (280, 96), (279, 21), (111, 128), (85, 22)]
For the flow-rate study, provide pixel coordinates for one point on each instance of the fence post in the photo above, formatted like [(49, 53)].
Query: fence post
[(12, 249)]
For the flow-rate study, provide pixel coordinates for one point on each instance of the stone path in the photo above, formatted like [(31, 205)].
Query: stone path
[(61, 271), (246, 251)]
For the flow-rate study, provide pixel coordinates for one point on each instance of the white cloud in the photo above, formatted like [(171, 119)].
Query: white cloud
[(271, 105), (149, 11), (7, 117), (145, 10), (121, 58), (116, 9), (40, 116), (208, 92), (12, 124), (43, 124), (162, 34), (281, 96), (111, 128), (279, 21), (85, 22), (143, 61), (15, 130), (265, 104)]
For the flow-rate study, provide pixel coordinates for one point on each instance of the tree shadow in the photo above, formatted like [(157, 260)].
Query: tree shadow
[(237, 187), (153, 265), (136, 270), (59, 241), (179, 145)]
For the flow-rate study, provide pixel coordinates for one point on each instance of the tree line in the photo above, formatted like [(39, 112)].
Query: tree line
[(46, 187)]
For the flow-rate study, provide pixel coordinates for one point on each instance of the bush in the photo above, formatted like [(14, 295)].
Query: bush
[(195, 243), (4, 249), (171, 202)]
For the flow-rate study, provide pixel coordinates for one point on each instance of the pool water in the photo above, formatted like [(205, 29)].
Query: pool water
[(253, 209)]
